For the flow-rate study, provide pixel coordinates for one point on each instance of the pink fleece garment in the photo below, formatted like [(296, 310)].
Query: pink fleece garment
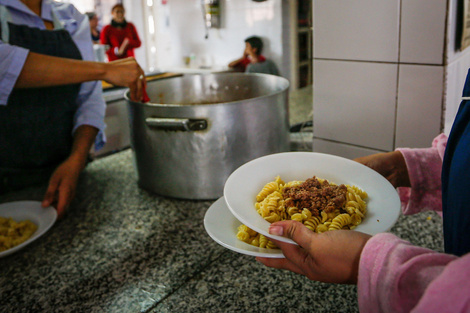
[(395, 276)]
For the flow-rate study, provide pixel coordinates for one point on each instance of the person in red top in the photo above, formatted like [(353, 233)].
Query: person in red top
[(120, 35), (252, 60)]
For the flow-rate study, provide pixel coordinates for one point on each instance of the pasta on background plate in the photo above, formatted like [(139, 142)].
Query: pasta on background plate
[(318, 204), (13, 233)]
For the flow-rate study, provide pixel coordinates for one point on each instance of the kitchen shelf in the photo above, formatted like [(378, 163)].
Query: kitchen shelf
[(304, 43)]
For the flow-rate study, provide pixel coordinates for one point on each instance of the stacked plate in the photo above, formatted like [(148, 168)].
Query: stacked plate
[(236, 207)]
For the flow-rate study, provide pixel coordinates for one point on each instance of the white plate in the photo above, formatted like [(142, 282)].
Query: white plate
[(222, 226), (44, 218), (242, 186)]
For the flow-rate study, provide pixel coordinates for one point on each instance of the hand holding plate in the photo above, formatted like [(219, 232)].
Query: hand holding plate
[(331, 257)]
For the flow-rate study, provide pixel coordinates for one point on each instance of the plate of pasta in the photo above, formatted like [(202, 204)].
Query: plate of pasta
[(21, 223), (324, 192), (223, 227)]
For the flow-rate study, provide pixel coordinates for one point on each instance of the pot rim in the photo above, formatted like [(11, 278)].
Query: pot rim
[(153, 104)]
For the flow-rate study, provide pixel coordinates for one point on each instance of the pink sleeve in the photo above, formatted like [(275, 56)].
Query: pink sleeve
[(395, 276), (424, 168)]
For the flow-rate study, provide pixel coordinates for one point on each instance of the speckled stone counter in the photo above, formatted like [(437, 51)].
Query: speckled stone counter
[(122, 249)]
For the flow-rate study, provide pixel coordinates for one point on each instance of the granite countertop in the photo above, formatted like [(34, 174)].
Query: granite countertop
[(122, 249)]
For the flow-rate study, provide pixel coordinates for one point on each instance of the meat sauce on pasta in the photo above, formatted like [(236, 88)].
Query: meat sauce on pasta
[(316, 196), (318, 204)]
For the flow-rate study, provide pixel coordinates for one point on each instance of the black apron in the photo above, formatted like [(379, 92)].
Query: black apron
[(36, 124)]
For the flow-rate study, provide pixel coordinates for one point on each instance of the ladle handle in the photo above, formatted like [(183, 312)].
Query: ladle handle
[(182, 124)]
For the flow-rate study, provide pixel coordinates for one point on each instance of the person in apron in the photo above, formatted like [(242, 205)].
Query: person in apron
[(392, 274), (45, 127)]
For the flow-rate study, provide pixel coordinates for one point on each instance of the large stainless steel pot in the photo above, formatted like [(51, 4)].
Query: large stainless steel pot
[(198, 129)]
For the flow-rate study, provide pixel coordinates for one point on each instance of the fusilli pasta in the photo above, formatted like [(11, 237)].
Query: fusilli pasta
[(327, 207)]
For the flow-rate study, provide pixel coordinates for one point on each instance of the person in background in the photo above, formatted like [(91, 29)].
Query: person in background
[(95, 33), (120, 35), (252, 60), (392, 274), (51, 103)]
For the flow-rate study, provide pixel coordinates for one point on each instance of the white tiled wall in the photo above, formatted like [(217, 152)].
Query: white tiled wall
[(341, 149), (419, 105), (355, 102), (407, 81), (422, 35), (356, 30)]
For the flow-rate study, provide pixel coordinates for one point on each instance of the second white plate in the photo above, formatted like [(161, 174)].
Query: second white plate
[(222, 226)]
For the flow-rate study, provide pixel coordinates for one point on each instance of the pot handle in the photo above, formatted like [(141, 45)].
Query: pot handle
[(183, 124)]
